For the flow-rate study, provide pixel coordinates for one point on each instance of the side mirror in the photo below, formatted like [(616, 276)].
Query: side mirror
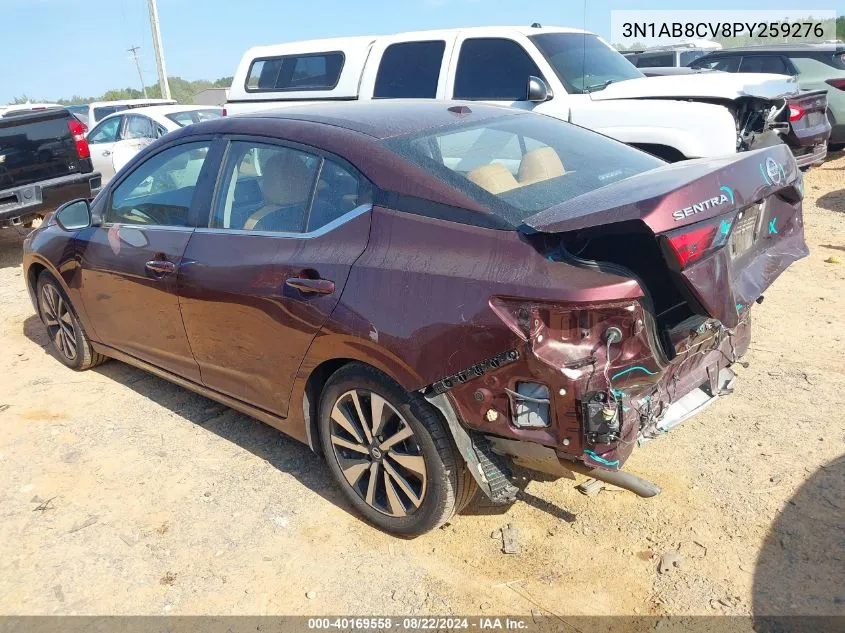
[(74, 215), (538, 90)]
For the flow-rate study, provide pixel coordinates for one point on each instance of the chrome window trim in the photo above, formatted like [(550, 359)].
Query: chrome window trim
[(361, 209), (157, 227)]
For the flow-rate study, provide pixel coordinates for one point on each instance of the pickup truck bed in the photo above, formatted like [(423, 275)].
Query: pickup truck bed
[(44, 162)]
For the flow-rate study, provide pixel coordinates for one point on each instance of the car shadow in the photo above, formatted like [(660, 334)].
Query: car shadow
[(800, 571), (833, 247), (11, 246), (277, 449), (833, 201), (263, 441)]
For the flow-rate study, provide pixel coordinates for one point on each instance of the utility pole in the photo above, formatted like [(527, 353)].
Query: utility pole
[(159, 50), (134, 51)]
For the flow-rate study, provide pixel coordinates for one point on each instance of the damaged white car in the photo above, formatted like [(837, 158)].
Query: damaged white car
[(565, 73)]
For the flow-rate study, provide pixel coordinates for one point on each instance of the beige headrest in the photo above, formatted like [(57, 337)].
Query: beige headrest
[(495, 178), (540, 164), (286, 179)]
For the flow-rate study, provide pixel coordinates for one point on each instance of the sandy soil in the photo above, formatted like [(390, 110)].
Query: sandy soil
[(122, 493)]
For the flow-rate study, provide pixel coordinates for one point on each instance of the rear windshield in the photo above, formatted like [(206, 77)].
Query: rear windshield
[(519, 165), (194, 116), (104, 111), (314, 71)]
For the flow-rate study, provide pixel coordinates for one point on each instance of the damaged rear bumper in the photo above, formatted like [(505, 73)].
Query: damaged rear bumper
[(651, 399)]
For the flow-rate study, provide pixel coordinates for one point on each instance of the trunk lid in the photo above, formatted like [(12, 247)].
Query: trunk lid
[(724, 229), (711, 86), (35, 147)]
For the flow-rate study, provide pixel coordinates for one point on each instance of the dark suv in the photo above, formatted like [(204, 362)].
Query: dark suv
[(815, 66)]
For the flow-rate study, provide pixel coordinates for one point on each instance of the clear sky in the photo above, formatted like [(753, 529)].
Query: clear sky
[(55, 48)]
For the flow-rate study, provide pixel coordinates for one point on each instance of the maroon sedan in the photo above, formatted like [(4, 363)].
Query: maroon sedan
[(424, 292)]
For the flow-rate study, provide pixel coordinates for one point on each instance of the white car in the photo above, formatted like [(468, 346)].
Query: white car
[(99, 110), (118, 137), (564, 73)]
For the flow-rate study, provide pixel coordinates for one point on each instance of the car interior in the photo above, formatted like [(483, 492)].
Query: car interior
[(269, 190)]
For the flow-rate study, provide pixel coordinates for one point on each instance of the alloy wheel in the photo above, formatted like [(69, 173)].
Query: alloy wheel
[(377, 452), (57, 317)]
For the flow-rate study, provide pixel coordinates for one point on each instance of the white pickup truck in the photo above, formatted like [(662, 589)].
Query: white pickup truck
[(565, 73)]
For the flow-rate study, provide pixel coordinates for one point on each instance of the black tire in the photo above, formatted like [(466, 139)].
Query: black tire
[(835, 147), (68, 338), (445, 486)]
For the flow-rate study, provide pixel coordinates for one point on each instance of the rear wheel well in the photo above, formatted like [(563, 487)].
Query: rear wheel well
[(667, 153), (311, 397)]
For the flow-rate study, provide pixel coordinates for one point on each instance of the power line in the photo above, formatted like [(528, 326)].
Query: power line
[(134, 51)]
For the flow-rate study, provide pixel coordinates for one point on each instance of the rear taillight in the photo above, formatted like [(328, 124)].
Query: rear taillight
[(224, 112), (693, 242), (837, 83), (796, 112), (77, 131)]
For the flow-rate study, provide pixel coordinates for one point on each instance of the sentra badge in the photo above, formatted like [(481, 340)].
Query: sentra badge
[(726, 196)]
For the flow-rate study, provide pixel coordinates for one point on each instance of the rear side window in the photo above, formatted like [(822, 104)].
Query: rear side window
[(764, 64), (493, 68), (410, 70), (318, 71), (138, 127), (655, 61), (266, 188), (339, 191), (813, 65)]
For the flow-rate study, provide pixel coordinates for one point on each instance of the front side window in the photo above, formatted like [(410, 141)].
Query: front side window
[(583, 62), (160, 190), (410, 70), (519, 165), (318, 71), (495, 69), (106, 132), (138, 127), (265, 188)]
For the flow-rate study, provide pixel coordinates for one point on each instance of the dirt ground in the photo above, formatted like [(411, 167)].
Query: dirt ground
[(124, 494)]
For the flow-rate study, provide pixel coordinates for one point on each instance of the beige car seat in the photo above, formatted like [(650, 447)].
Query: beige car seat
[(539, 164), (286, 182), (495, 178)]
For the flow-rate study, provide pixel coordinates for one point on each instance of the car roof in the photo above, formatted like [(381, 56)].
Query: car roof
[(780, 48), (99, 104), (386, 118), (160, 112)]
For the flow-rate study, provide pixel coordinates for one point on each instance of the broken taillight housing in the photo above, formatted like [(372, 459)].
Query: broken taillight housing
[(796, 112), (691, 243)]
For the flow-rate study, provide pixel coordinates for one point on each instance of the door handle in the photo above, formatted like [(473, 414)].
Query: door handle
[(160, 267), (311, 286), (106, 152)]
